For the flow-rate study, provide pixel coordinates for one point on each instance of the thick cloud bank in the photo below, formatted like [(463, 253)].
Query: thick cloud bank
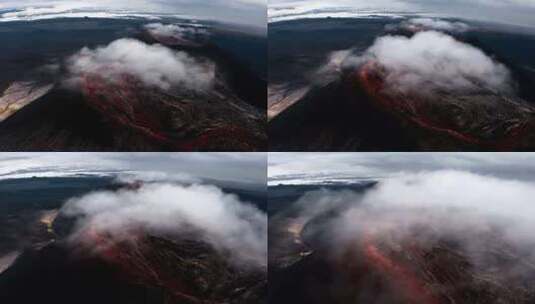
[(169, 209), (154, 65), (474, 211), (435, 61)]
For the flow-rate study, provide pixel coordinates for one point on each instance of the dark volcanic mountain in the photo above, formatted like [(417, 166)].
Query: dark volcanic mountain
[(129, 115), (151, 270), (355, 112), (353, 107), (41, 253)]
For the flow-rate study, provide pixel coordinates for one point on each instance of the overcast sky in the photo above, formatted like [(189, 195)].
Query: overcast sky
[(241, 167), (292, 168), (519, 12), (251, 12)]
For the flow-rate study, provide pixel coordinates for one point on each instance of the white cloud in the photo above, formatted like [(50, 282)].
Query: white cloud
[(173, 30), (176, 34), (432, 60), (155, 65), (220, 219), (435, 24)]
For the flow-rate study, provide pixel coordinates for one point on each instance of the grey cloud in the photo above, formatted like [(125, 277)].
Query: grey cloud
[(519, 166), (502, 11), (245, 12), (237, 167)]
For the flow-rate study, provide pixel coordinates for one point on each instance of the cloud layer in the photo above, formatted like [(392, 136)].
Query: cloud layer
[(235, 167), (154, 65), (324, 167), (516, 12), (223, 221), (245, 12)]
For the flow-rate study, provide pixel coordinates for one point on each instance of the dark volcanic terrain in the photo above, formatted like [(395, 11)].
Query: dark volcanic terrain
[(151, 270), (39, 113)]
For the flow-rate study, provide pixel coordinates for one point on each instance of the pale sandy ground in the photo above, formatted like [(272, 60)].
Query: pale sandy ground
[(7, 260), (280, 98), (20, 94)]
